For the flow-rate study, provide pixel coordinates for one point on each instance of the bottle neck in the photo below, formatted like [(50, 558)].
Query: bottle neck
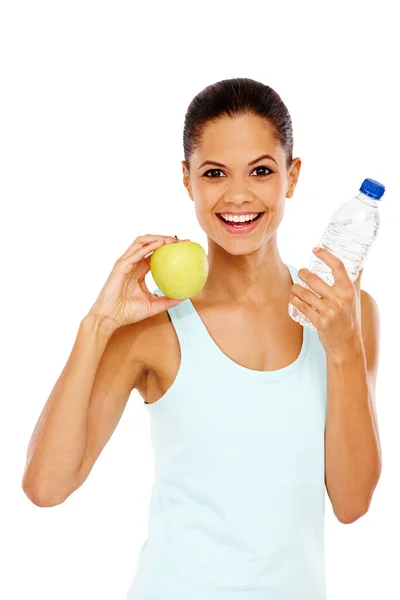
[(367, 199)]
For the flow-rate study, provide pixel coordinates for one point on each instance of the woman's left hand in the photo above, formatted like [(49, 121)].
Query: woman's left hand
[(337, 314)]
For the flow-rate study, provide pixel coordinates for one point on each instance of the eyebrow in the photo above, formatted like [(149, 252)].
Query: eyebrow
[(213, 162)]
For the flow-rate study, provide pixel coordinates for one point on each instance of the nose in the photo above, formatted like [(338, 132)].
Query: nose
[(238, 201), (238, 192)]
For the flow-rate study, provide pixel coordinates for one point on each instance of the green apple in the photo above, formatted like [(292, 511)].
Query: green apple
[(179, 269)]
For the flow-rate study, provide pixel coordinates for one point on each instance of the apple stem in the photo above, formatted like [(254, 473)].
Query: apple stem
[(176, 238)]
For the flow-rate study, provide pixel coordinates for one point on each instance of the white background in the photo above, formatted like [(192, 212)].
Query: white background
[(92, 108)]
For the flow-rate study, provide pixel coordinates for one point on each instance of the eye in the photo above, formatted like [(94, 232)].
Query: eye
[(212, 171), (263, 167), (219, 170)]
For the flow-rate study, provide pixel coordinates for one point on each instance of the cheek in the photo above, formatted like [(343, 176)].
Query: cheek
[(279, 209), (205, 202), (205, 196), (278, 214), (275, 213), (204, 214)]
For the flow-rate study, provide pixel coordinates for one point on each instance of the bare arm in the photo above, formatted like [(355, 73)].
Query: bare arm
[(81, 412), (105, 364)]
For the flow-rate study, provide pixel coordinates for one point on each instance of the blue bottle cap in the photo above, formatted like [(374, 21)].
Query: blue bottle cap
[(372, 188)]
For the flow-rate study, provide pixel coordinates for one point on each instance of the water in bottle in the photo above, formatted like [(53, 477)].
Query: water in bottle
[(350, 234)]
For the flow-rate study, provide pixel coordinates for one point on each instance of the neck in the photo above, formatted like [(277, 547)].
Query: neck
[(258, 277)]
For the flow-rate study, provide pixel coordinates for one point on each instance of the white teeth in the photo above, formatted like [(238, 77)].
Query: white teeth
[(240, 219)]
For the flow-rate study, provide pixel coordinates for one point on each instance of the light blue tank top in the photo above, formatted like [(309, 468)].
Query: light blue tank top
[(238, 502)]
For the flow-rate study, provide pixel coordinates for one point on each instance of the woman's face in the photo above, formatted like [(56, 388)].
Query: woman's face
[(238, 186)]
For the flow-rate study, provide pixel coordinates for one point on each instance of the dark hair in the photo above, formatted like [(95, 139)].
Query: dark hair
[(232, 97)]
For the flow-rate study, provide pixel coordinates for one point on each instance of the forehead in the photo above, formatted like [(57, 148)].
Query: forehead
[(243, 137)]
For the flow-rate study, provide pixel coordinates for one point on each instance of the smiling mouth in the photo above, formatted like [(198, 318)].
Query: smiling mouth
[(240, 226), (219, 215)]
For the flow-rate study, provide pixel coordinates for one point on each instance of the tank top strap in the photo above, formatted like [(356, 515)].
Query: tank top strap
[(189, 327), (294, 273)]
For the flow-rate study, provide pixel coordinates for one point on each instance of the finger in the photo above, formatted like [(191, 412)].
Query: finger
[(307, 310), (147, 260), (315, 283), (308, 297), (339, 271), (160, 303), (142, 268), (129, 260), (144, 240)]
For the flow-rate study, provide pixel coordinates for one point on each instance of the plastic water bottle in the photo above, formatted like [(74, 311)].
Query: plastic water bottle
[(350, 234)]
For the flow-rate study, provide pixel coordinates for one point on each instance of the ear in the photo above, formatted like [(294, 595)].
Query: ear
[(186, 179), (294, 173)]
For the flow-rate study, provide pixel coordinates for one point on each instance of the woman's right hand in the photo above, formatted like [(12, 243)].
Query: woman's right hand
[(125, 297)]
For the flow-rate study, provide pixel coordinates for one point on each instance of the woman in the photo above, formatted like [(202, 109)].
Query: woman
[(251, 413)]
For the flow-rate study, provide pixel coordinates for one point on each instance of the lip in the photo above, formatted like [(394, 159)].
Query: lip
[(247, 228)]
